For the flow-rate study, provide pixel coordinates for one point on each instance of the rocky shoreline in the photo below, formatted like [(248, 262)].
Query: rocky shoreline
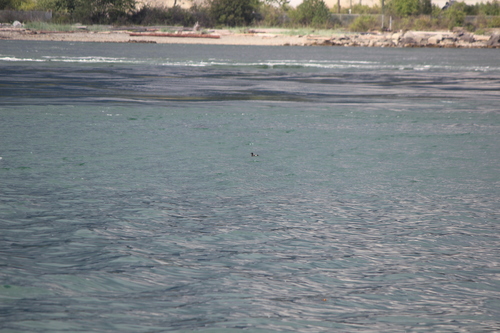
[(269, 37), (415, 39)]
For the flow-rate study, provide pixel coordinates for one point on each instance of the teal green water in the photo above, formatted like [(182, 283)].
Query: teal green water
[(130, 202)]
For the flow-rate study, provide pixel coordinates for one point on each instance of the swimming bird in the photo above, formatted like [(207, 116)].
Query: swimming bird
[(253, 155)]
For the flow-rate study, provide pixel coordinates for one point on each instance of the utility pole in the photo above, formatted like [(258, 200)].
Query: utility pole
[(383, 14)]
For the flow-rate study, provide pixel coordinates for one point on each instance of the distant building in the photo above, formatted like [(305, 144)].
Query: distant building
[(350, 3), (330, 3), (371, 3), (170, 3)]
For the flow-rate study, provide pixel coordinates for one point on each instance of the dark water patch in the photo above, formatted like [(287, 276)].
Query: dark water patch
[(174, 84)]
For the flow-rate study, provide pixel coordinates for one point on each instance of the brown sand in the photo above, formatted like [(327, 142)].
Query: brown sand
[(269, 37), (226, 37)]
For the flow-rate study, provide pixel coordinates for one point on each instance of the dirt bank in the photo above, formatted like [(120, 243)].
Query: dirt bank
[(267, 37)]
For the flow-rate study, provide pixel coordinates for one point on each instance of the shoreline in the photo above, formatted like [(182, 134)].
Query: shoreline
[(268, 37)]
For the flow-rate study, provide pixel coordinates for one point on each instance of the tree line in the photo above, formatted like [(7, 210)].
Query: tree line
[(271, 13)]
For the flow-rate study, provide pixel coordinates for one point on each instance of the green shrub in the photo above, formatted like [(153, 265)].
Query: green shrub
[(436, 11), (310, 13), (17, 4), (364, 9), (54, 5), (149, 16), (494, 22), (404, 7), (164, 16), (490, 8), (454, 16), (233, 12), (101, 11), (201, 14), (421, 23), (61, 18), (272, 16), (44, 26), (425, 7), (409, 7), (365, 23)]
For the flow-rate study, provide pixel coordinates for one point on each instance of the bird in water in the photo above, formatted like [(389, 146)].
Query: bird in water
[(253, 155)]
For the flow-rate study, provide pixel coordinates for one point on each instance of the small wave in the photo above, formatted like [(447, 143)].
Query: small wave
[(284, 64), (261, 64), (91, 59), (70, 59), (20, 59)]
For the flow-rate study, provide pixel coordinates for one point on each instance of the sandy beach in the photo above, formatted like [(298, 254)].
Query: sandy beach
[(267, 37), (225, 37)]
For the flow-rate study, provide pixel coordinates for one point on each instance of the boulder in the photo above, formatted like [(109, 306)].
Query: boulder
[(421, 39), (481, 38), (396, 37), (448, 42), (408, 39), (466, 37), (494, 41), (434, 40)]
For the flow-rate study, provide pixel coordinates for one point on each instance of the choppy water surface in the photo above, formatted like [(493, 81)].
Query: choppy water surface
[(129, 201)]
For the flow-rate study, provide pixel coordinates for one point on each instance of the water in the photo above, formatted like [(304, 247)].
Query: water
[(129, 201)]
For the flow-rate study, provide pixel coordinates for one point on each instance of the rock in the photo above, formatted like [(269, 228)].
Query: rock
[(340, 41), (466, 37), (481, 38), (449, 38), (421, 39), (407, 41), (494, 41), (396, 37), (448, 43), (435, 40)]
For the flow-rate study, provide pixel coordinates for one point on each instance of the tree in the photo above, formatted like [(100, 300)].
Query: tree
[(405, 7), (7, 4), (17, 4), (455, 14), (100, 11), (277, 3), (410, 7), (490, 8), (425, 7), (311, 12), (233, 12), (55, 5)]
